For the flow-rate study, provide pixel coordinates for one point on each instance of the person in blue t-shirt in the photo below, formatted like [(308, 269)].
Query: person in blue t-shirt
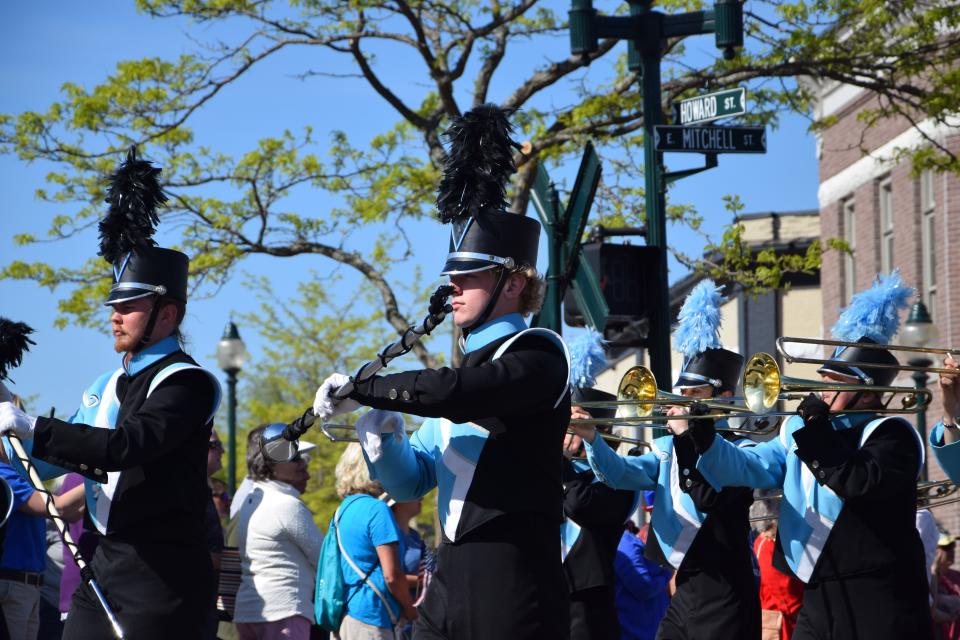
[(378, 596), (24, 551), (641, 585)]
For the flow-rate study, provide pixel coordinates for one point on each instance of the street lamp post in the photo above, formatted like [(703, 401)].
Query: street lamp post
[(231, 354), (919, 331)]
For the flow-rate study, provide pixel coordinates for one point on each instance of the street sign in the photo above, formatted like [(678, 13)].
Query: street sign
[(710, 106), (710, 139)]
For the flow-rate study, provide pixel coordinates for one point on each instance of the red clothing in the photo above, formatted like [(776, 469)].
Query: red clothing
[(778, 592), (950, 583)]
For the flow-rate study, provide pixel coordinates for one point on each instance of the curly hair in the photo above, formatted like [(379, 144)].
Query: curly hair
[(352, 475), (531, 298)]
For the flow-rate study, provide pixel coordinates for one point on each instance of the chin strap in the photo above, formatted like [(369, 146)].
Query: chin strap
[(151, 322), (502, 280)]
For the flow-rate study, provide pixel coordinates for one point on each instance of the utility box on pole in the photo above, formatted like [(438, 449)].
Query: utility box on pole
[(628, 276)]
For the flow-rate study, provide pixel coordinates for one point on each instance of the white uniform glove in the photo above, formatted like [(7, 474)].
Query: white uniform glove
[(15, 421), (325, 405), (375, 423)]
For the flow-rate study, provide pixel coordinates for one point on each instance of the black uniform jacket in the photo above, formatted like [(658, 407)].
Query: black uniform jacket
[(601, 512), (723, 542), (877, 527), (521, 398), (159, 444)]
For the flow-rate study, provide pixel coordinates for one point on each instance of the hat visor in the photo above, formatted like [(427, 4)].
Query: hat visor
[(456, 267), (837, 369), (125, 295), (683, 382)]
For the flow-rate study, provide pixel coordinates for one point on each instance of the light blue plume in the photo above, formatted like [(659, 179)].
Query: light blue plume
[(875, 312), (698, 326), (587, 359)]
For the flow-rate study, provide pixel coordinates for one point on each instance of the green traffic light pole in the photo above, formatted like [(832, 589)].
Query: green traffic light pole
[(645, 30)]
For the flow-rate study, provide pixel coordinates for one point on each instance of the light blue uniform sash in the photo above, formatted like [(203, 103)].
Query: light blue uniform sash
[(676, 521)]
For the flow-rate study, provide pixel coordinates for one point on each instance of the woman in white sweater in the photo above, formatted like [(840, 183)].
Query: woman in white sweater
[(279, 546)]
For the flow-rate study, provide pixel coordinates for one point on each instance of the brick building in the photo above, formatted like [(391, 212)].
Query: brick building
[(891, 218)]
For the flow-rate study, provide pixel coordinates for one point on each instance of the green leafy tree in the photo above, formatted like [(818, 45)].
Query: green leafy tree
[(306, 338), (230, 208)]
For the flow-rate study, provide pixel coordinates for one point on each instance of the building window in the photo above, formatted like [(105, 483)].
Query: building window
[(850, 236), (886, 226), (928, 241)]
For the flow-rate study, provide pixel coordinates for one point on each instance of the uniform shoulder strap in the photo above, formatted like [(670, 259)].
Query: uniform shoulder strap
[(177, 367), (553, 337), (872, 427)]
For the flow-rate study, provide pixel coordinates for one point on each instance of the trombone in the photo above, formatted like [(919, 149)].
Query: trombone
[(638, 399), (930, 495), (787, 357), (764, 385)]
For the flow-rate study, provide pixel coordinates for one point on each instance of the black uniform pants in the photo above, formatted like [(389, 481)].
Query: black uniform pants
[(502, 581), (157, 592), (713, 604), (877, 606), (593, 615)]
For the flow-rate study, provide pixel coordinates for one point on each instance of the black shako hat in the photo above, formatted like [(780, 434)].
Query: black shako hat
[(472, 196), (873, 317), (140, 268), (581, 394), (719, 368), (492, 239), (697, 337), (151, 271), (861, 371)]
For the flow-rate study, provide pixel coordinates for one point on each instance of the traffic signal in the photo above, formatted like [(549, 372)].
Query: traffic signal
[(628, 275)]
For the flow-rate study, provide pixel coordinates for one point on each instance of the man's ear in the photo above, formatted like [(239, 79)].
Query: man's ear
[(516, 283)]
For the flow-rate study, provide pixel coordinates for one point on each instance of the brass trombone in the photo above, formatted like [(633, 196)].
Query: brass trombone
[(787, 357), (618, 439), (930, 495), (764, 385), (638, 398)]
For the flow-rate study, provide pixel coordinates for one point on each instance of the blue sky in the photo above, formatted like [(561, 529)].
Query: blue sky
[(46, 43)]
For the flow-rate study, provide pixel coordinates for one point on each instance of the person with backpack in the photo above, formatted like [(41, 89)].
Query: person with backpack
[(372, 597)]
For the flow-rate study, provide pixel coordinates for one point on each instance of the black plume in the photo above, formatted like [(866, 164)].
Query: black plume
[(13, 342), (479, 163), (134, 195)]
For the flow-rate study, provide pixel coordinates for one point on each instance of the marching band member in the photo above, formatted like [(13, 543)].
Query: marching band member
[(140, 437), (594, 513), (849, 485), (945, 435), (700, 531), (497, 422)]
